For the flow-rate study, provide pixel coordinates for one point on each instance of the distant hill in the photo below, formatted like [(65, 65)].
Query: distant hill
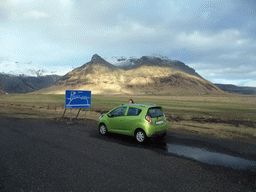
[(237, 89), (146, 75), (25, 84), (2, 92)]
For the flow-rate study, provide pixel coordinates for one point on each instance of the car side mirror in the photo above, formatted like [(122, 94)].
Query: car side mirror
[(110, 115)]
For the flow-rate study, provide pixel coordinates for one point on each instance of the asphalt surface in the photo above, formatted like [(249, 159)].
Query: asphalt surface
[(42, 155)]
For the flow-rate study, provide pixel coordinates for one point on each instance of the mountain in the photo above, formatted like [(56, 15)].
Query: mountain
[(25, 84), (2, 92), (153, 60), (237, 89), (146, 75)]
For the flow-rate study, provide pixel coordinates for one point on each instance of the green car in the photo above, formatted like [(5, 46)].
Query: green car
[(139, 120)]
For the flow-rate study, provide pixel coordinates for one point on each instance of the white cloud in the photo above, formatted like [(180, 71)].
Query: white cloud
[(251, 83), (242, 55), (218, 70), (241, 75), (252, 57), (235, 55), (199, 39), (242, 41), (66, 3), (103, 32), (34, 14), (57, 10), (18, 2), (198, 65), (17, 9), (238, 82)]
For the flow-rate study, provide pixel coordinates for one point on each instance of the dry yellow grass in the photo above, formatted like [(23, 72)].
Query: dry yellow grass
[(227, 117), (215, 130)]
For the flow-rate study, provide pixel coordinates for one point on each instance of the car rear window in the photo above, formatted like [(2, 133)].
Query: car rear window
[(133, 111), (155, 112)]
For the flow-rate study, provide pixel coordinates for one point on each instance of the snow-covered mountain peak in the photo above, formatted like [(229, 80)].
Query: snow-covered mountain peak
[(124, 61), (29, 69), (159, 56)]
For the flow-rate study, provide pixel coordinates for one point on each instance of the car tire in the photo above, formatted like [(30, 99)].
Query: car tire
[(103, 129), (140, 136)]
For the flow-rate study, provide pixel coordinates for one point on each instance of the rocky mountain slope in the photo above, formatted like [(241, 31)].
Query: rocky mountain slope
[(146, 75)]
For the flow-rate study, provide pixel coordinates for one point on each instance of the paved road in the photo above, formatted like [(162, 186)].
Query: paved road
[(37, 155)]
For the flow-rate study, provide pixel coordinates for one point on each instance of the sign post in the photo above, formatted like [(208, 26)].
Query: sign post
[(77, 99)]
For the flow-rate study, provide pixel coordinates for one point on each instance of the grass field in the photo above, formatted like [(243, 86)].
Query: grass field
[(229, 117)]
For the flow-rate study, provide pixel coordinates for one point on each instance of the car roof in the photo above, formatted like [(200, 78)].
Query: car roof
[(140, 105)]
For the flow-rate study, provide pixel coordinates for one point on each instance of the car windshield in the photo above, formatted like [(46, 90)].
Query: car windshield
[(155, 112)]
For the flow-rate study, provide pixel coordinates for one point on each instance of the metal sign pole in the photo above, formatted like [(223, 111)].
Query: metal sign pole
[(63, 113), (85, 114), (70, 114), (78, 113)]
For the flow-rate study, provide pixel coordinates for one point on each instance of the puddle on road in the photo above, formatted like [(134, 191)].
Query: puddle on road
[(211, 157)]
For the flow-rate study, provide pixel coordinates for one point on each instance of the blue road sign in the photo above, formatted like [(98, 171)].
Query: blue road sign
[(78, 99)]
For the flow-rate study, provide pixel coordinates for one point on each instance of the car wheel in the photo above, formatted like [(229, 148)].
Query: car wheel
[(103, 129), (140, 136)]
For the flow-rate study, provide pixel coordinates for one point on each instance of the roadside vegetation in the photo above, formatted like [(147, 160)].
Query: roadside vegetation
[(226, 116)]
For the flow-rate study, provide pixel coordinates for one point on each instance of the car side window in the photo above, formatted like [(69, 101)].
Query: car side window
[(133, 111), (120, 111)]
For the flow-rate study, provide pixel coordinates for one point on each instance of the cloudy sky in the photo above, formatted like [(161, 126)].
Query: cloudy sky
[(215, 37)]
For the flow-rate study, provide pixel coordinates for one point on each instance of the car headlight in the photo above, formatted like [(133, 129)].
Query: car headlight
[(100, 117)]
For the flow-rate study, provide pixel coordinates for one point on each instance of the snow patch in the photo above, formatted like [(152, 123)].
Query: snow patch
[(159, 56)]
